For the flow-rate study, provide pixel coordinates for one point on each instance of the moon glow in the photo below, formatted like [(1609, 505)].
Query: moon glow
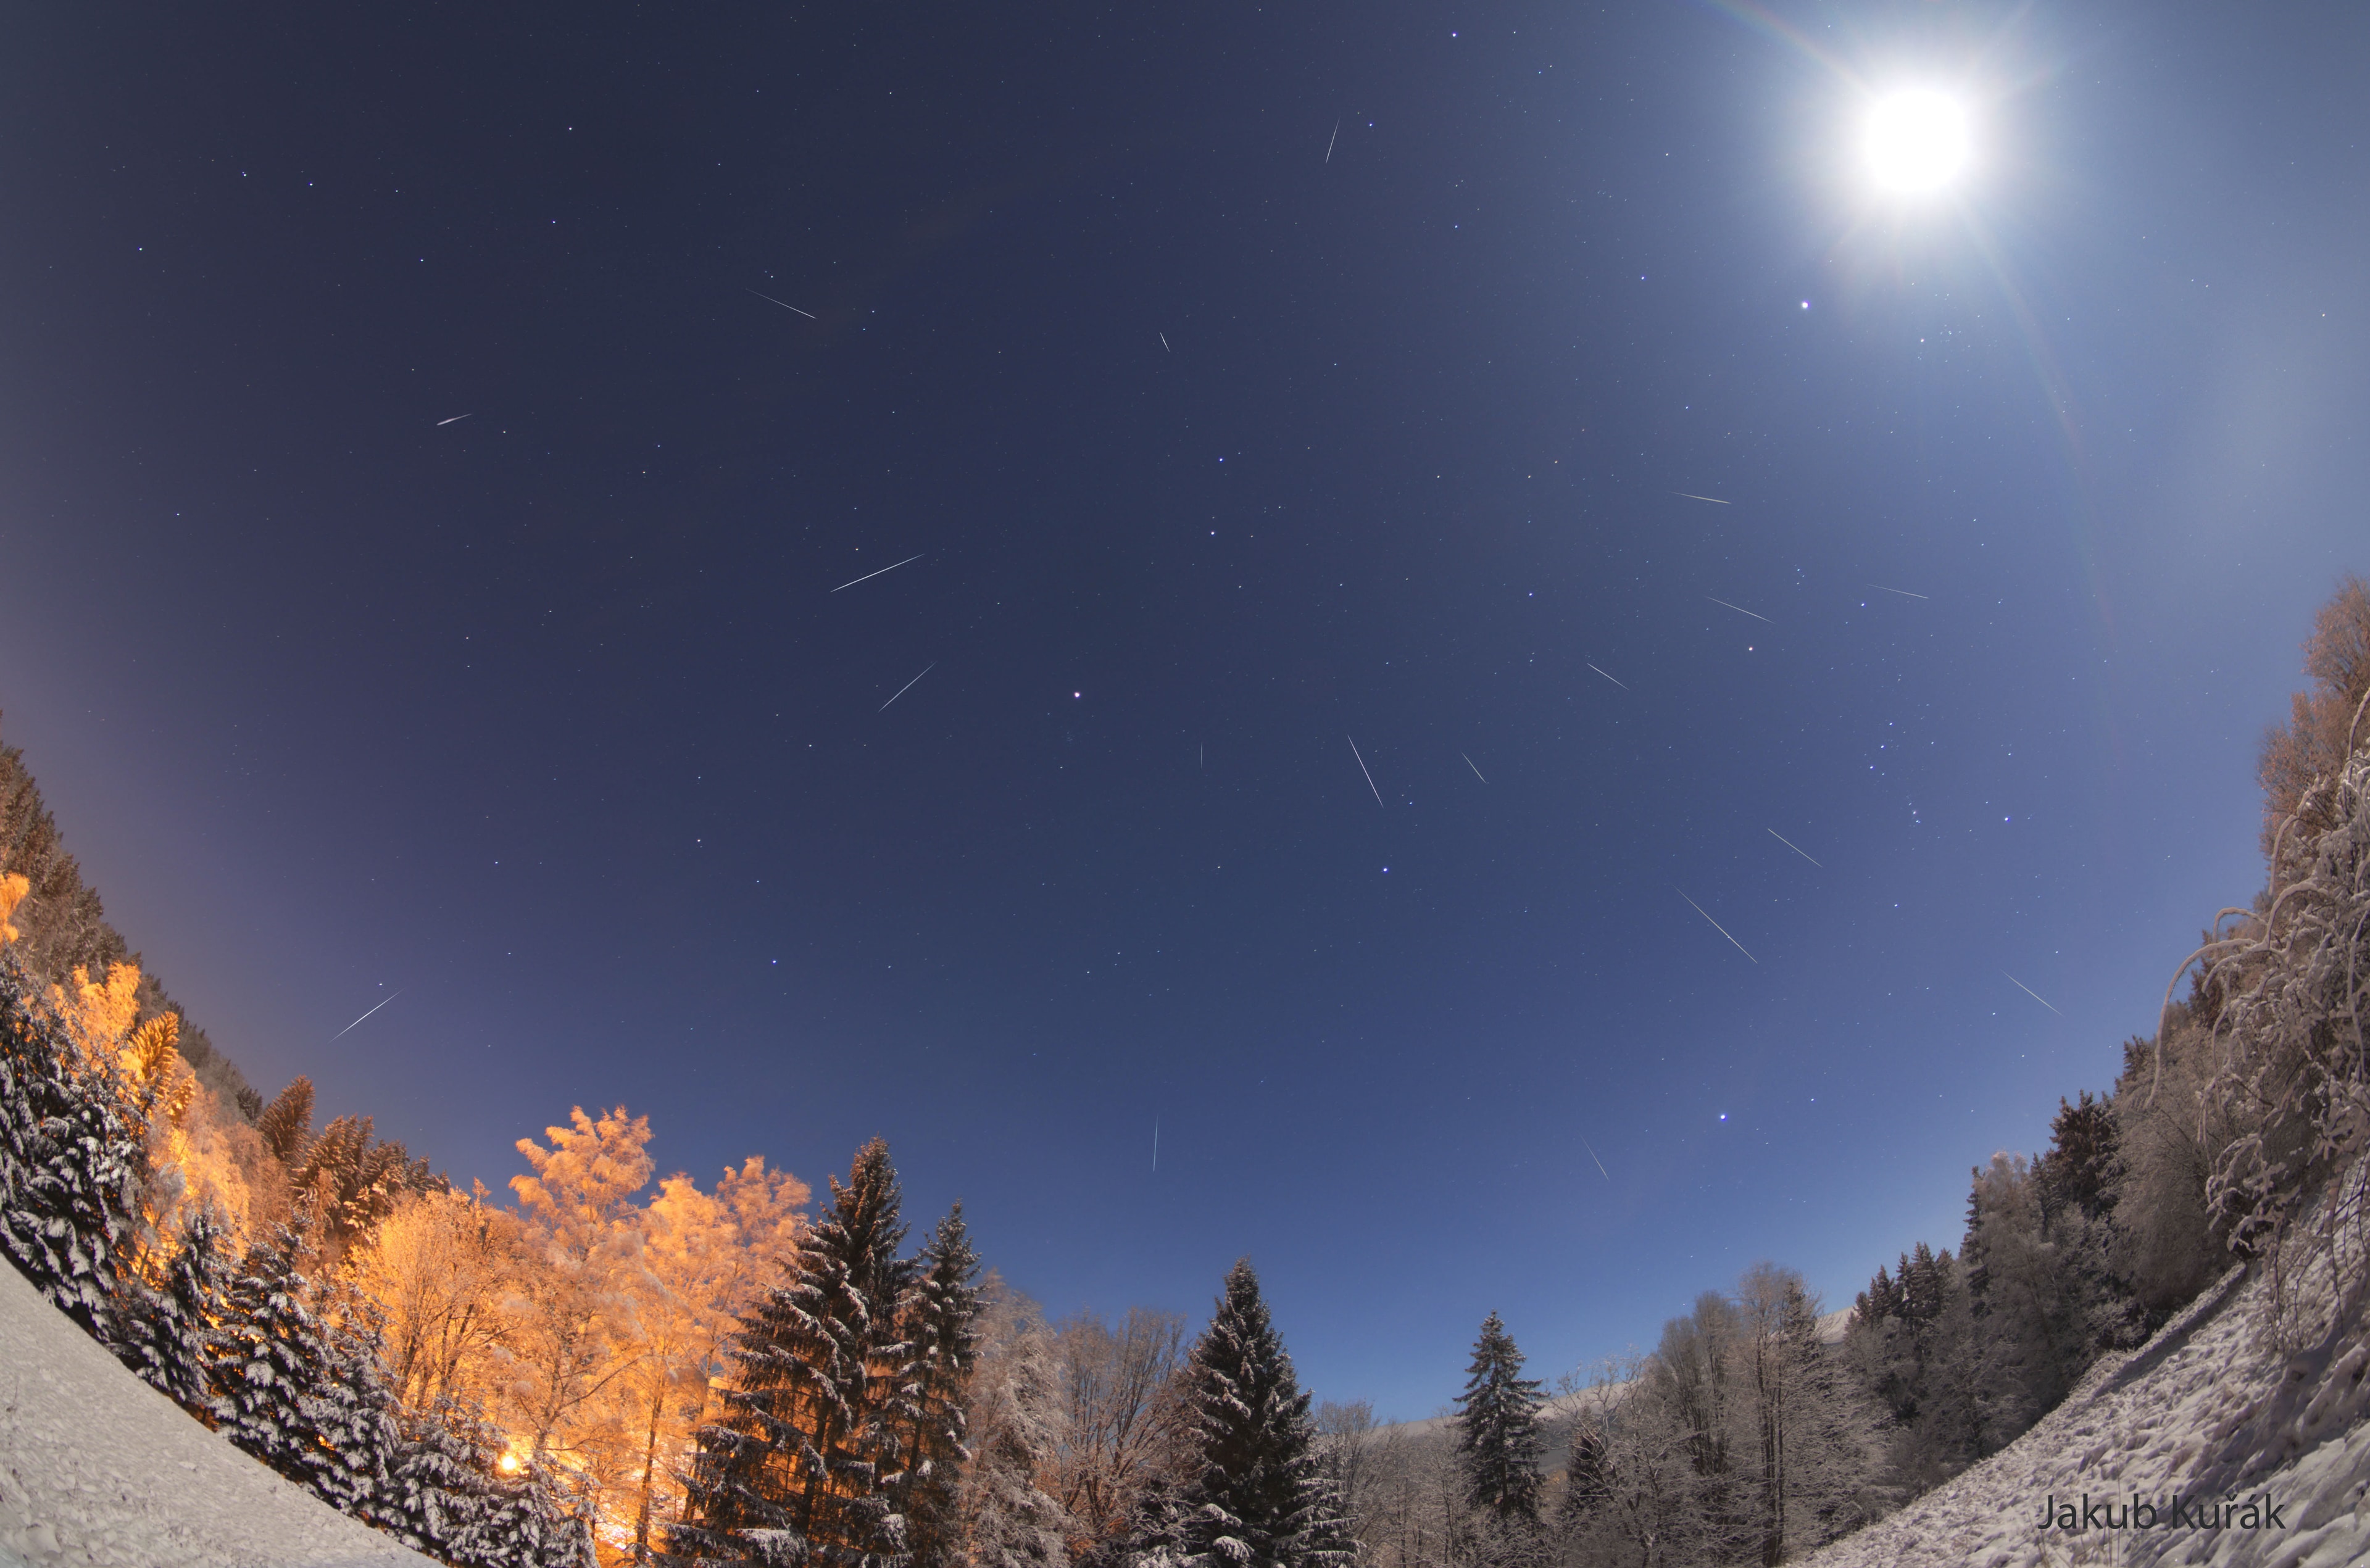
[(1917, 140)]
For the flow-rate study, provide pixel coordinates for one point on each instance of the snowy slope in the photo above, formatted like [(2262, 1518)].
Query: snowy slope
[(95, 1467), (2207, 1410)]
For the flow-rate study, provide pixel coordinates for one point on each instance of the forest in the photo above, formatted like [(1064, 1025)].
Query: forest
[(608, 1365)]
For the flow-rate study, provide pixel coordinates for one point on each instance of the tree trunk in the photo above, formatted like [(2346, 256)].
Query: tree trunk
[(650, 1475)]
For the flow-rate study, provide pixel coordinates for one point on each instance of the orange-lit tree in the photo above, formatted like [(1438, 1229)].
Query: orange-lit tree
[(705, 1258), (440, 1269), (572, 1336)]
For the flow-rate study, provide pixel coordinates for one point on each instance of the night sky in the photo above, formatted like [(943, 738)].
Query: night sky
[(419, 541)]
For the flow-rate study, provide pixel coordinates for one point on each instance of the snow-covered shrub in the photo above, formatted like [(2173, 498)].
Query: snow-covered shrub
[(2285, 1038)]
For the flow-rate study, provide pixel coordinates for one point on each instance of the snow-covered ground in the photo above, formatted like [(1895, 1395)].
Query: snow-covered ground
[(95, 1467), (2209, 1412)]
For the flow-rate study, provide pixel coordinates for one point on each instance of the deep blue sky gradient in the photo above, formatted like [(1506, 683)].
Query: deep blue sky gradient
[(549, 720)]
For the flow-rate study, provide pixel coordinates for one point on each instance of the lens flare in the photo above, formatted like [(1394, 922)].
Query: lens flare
[(1918, 141)]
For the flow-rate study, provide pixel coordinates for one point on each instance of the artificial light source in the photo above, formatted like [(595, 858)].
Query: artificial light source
[(1917, 140)]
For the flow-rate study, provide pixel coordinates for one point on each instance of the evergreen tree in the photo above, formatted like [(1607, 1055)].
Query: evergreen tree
[(2076, 1175), (286, 1124), (358, 1443), (2033, 1310), (791, 1472), (1257, 1496), (943, 1331), (270, 1359), (1909, 1342), (310, 1398), (1881, 1300), (1587, 1479), (533, 1520), (351, 1182), (1497, 1437), (446, 1497), (438, 1492), (166, 1334), (70, 1164)]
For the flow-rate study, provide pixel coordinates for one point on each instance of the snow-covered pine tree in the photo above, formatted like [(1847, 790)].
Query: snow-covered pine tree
[(535, 1519), (790, 1471), (1910, 1343), (69, 1162), (1587, 1479), (353, 1417), (1497, 1437), (2076, 1175), (1258, 1497), (166, 1333), (942, 1317), (2031, 1307), (446, 1497), (307, 1397), (438, 1491), (269, 1359)]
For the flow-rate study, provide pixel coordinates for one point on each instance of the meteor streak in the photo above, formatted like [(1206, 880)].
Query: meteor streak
[(1330, 140), (1361, 768), (791, 308), (1713, 500), (350, 1028), (1903, 591), (454, 420), (870, 576), (1791, 845), (1608, 677), (1740, 609), (1716, 925), (2030, 992), (907, 686), (1469, 762), (1592, 1154)]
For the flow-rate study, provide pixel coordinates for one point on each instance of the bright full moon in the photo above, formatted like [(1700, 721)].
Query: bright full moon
[(1917, 140)]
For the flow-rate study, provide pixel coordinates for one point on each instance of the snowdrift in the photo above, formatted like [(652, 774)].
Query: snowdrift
[(95, 1467), (2210, 1413)]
